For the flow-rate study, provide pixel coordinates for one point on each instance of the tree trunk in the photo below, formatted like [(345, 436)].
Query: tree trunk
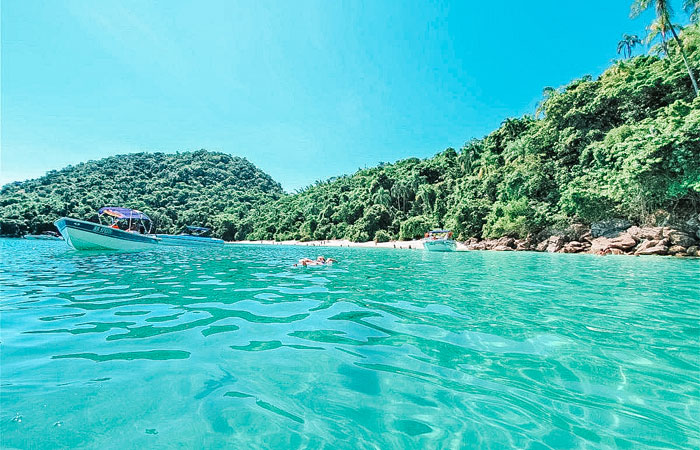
[(685, 60)]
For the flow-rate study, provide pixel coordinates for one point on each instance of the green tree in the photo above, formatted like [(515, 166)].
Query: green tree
[(662, 24), (627, 44), (692, 7)]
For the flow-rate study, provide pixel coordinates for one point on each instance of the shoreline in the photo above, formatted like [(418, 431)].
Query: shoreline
[(610, 240), (406, 245)]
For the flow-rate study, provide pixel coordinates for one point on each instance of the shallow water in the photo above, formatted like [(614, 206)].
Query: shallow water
[(233, 348)]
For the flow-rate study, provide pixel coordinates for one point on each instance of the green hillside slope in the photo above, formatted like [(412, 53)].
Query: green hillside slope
[(624, 145), (198, 188)]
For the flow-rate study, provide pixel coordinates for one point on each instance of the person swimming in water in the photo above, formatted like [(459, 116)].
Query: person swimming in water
[(320, 261)]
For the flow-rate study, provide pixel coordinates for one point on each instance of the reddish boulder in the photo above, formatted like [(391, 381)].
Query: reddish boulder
[(573, 247), (505, 242), (651, 248), (646, 233), (600, 245), (502, 248), (523, 245), (624, 241), (476, 246), (554, 244)]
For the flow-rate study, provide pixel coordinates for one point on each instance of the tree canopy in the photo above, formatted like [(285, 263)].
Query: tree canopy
[(192, 188)]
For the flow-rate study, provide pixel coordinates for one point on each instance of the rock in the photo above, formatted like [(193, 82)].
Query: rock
[(646, 244), (554, 244), (572, 247), (646, 233), (476, 246), (651, 248), (542, 246), (502, 248), (624, 241), (676, 249), (600, 245), (586, 237), (609, 228), (614, 251), (488, 244), (505, 242), (575, 231), (523, 245), (680, 238), (692, 250)]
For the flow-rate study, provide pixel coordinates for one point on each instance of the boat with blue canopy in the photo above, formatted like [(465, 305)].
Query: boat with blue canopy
[(439, 241), (190, 236), (124, 229)]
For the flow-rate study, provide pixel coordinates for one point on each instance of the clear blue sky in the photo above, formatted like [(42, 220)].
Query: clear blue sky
[(305, 89)]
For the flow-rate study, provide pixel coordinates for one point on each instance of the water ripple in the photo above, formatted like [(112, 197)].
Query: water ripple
[(388, 349)]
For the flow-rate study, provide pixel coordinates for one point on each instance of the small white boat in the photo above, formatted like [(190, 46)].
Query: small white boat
[(439, 241), (191, 236), (45, 236), (124, 233)]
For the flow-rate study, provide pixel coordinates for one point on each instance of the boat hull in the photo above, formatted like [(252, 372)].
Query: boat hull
[(82, 235), (187, 240), (440, 245)]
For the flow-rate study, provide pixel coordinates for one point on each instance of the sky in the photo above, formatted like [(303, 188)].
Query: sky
[(305, 90)]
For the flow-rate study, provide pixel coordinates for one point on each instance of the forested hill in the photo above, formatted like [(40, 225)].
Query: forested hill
[(192, 188), (624, 145)]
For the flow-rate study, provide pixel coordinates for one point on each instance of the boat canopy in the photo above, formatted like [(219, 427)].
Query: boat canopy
[(439, 231), (123, 213)]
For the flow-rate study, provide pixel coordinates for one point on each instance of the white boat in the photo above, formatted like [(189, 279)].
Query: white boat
[(124, 233), (45, 236), (439, 241), (191, 236)]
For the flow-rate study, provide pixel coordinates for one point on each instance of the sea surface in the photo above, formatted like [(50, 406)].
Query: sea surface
[(232, 347)]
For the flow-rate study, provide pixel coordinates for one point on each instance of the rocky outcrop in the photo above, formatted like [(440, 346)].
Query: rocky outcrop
[(552, 244), (605, 238), (609, 228), (680, 238), (574, 247), (652, 247), (676, 249), (502, 248), (624, 241)]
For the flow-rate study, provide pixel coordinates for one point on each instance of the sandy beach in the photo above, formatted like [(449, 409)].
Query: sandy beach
[(412, 245)]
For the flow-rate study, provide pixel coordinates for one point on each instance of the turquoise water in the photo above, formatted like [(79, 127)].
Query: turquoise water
[(233, 348)]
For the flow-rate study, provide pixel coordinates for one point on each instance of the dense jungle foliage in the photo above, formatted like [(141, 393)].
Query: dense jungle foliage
[(193, 188), (623, 145)]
